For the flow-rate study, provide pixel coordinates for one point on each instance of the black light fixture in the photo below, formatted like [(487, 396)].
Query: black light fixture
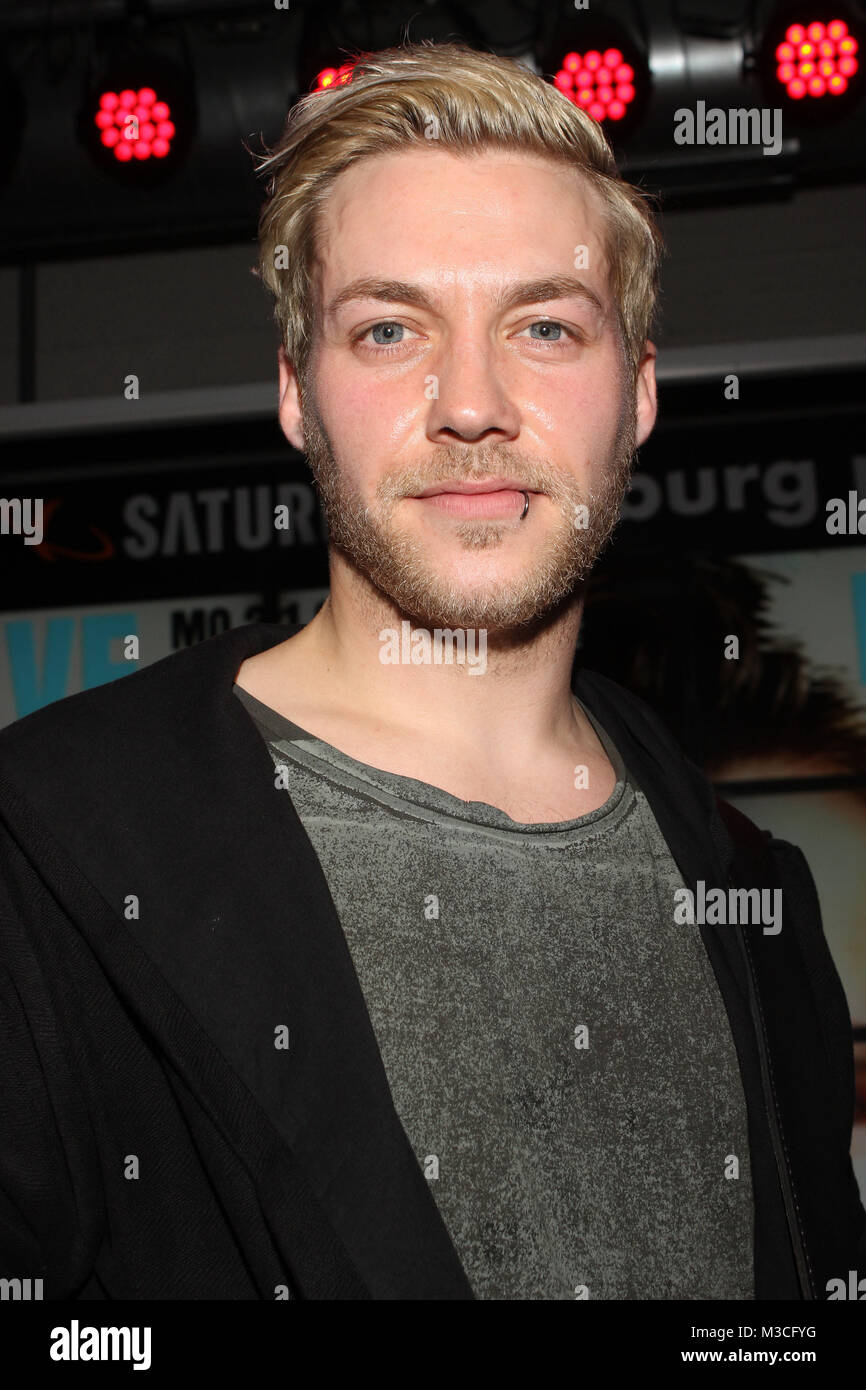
[(811, 61), (137, 118), (600, 64)]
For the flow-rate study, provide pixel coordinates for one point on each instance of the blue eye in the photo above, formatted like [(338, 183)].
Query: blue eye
[(387, 325), (389, 333), (550, 327)]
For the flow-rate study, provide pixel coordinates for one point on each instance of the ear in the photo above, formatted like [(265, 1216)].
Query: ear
[(646, 402), (289, 412)]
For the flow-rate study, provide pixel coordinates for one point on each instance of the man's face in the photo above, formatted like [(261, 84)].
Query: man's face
[(449, 382)]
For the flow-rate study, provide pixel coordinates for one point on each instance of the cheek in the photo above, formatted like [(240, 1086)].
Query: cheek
[(369, 425), (578, 413), (366, 413)]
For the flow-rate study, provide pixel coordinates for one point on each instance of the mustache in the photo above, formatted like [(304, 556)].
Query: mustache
[(408, 482)]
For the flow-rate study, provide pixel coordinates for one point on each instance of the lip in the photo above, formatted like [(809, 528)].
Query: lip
[(491, 504), (472, 489)]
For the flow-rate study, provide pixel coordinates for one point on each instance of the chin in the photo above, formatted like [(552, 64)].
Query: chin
[(500, 610)]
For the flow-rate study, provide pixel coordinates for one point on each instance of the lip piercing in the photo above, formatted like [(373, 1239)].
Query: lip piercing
[(525, 505)]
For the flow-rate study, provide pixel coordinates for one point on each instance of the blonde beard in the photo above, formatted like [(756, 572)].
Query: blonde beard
[(398, 565)]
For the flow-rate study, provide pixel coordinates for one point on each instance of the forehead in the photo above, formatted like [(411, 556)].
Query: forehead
[(458, 221)]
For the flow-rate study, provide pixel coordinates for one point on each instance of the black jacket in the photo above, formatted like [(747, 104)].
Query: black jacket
[(149, 1038)]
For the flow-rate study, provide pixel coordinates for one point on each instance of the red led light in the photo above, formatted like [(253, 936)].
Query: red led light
[(333, 77), (134, 125), (600, 83), (816, 59)]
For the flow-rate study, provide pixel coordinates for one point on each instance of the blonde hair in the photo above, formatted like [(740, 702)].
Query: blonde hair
[(473, 101)]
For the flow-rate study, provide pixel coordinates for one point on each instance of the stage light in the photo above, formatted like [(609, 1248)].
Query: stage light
[(604, 73), (602, 83), (811, 63), (138, 118), (334, 35), (333, 77), (135, 125), (817, 59)]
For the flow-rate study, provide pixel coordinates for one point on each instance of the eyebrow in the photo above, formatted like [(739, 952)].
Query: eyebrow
[(537, 291)]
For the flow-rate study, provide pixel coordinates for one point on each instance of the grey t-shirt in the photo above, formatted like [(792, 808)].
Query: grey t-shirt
[(555, 1044)]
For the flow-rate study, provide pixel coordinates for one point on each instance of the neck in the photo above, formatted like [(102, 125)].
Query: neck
[(508, 699)]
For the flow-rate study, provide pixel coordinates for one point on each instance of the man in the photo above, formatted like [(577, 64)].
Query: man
[(363, 961)]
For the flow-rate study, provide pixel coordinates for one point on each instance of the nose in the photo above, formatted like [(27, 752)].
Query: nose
[(471, 401)]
